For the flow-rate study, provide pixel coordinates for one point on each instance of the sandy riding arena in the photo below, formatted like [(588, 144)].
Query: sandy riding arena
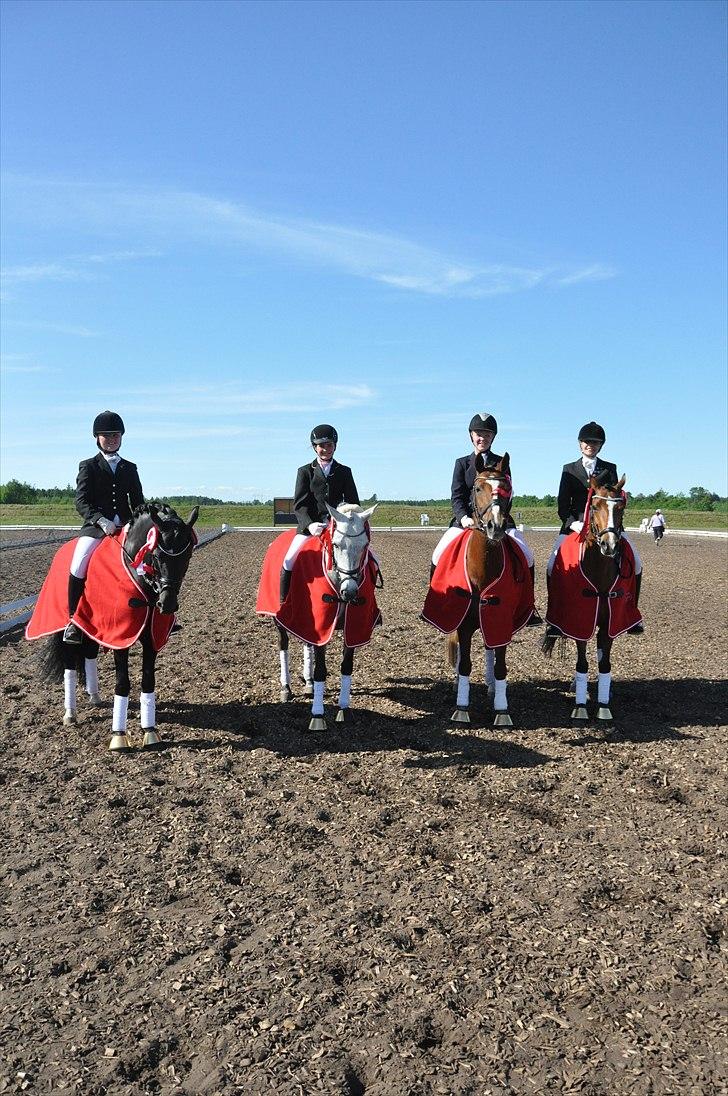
[(390, 908)]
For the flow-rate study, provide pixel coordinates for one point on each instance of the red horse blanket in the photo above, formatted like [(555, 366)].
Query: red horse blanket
[(506, 604), (311, 608), (573, 602), (105, 612)]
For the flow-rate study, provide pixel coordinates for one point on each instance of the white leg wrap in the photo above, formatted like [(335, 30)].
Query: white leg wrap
[(69, 690), (345, 691), (463, 699), (285, 672), (582, 688), (148, 709), (118, 721), (489, 667), (317, 708), (500, 700), (307, 663), (604, 688), (92, 676)]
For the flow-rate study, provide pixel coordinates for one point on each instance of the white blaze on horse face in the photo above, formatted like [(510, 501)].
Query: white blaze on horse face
[(349, 542)]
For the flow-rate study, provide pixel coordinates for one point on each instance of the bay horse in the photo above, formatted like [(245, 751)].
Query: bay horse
[(157, 545), (337, 594), (592, 589), (499, 591)]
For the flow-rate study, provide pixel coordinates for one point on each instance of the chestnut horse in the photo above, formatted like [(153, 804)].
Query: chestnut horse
[(500, 591), (592, 589)]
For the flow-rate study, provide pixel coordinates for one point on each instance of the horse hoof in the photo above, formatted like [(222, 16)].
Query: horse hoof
[(318, 723), (502, 719), (285, 694), (69, 718), (604, 713), (308, 690), (95, 700), (151, 738), (460, 715), (340, 716), (119, 742), (580, 713)]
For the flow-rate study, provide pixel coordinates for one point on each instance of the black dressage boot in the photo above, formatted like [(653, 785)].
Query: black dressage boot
[(639, 628), (285, 583), (535, 618), (72, 634), (432, 570)]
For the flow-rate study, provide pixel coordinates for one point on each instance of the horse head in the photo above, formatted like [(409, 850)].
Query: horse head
[(492, 497), (605, 506), (159, 544), (349, 538)]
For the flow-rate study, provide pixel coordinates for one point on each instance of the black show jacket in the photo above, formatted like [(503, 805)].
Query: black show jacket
[(574, 488), (101, 493), (314, 490), (463, 478)]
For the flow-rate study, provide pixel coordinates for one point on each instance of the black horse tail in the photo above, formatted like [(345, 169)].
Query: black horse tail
[(55, 656), (549, 642)]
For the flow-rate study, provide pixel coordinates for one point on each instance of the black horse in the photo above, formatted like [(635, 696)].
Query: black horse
[(158, 548)]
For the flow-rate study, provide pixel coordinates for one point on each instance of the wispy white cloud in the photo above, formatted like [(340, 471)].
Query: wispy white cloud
[(18, 363), (73, 268), (56, 328), (170, 218)]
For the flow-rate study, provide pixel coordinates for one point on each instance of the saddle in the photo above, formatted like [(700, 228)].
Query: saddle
[(113, 609), (574, 601)]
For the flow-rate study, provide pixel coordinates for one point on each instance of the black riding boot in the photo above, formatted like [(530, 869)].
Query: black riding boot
[(71, 633), (637, 629), (535, 619), (432, 570), (552, 632), (285, 583)]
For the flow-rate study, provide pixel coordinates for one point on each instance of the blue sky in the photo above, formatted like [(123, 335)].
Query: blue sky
[(231, 221)]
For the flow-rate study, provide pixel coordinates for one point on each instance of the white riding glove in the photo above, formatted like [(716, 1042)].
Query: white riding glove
[(576, 526), (108, 526), (466, 522), (316, 528)]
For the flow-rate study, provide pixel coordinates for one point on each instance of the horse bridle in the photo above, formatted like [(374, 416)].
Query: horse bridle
[(152, 573), (611, 502), (496, 494)]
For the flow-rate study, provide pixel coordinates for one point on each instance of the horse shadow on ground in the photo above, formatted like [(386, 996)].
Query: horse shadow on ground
[(283, 729), (643, 710)]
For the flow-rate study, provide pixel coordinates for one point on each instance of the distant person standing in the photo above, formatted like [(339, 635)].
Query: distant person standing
[(108, 490), (657, 525)]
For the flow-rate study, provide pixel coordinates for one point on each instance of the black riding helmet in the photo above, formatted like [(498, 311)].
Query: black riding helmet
[(108, 422), (592, 431), (324, 432), (481, 420)]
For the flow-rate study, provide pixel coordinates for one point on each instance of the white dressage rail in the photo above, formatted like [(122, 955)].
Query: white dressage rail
[(27, 603)]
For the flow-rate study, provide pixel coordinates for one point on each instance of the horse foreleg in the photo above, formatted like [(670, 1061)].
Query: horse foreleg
[(307, 669), (285, 693), (318, 723), (148, 696), (490, 670), (581, 683), (604, 688), (347, 665), (464, 668), (119, 740), (500, 697)]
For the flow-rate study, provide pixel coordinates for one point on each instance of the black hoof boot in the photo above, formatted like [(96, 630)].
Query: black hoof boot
[(636, 629)]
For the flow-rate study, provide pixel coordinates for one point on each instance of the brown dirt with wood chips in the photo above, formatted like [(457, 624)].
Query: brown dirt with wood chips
[(396, 906)]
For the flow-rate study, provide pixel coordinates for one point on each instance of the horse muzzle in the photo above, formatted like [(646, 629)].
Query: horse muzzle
[(609, 545), (168, 600), (349, 590)]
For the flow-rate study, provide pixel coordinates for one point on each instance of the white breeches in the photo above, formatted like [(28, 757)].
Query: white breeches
[(454, 531), (295, 547), (82, 555), (562, 537)]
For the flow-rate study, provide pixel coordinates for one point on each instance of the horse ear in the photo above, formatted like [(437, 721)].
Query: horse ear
[(479, 463), (504, 464), (335, 514), (620, 485), (193, 517), (366, 514), (154, 513)]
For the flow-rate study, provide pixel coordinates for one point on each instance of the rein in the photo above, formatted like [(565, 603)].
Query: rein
[(151, 572)]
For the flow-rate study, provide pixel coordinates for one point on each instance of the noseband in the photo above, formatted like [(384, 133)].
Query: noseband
[(147, 559)]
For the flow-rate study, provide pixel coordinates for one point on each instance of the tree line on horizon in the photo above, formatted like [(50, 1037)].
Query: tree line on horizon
[(698, 498)]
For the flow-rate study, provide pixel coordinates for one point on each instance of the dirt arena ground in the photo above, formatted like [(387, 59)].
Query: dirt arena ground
[(396, 907)]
